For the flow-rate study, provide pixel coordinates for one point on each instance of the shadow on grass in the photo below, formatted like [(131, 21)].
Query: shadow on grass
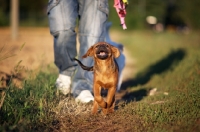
[(167, 63), (135, 95)]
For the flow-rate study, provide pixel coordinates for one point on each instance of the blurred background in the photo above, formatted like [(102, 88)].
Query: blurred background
[(141, 14)]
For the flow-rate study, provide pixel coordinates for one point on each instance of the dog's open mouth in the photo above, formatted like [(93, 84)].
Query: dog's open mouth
[(102, 54)]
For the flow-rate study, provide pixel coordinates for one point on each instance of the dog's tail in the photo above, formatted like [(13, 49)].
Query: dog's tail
[(83, 66)]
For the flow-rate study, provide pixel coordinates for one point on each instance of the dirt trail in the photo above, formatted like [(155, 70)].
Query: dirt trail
[(33, 48), (37, 49)]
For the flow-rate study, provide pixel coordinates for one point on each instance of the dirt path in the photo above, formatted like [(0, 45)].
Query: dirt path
[(32, 49), (37, 49)]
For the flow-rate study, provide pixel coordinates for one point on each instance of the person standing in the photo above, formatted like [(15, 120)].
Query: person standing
[(64, 16)]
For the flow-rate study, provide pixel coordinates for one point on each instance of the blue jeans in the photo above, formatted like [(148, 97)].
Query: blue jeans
[(63, 15)]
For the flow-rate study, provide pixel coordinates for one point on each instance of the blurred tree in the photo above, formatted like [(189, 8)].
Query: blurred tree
[(190, 12), (4, 12), (33, 13), (14, 24), (156, 8)]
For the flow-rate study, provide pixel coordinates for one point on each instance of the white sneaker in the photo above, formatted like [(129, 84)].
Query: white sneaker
[(63, 83), (84, 97)]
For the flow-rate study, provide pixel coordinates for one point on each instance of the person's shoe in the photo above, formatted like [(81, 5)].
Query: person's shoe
[(84, 97), (82, 89), (63, 83)]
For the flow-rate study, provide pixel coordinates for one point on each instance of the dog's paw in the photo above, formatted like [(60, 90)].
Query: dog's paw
[(95, 108), (111, 110), (94, 112), (105, 111)]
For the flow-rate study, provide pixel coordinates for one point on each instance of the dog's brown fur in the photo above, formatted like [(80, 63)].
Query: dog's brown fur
[(105, 74)]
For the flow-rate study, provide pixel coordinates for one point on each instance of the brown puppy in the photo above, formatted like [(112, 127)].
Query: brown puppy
[(105, 74)]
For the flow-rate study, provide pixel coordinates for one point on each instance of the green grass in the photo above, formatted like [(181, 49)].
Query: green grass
[(169, 62), (30, 105)]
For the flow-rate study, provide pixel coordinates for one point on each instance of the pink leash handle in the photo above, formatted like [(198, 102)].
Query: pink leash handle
[(121, 11)]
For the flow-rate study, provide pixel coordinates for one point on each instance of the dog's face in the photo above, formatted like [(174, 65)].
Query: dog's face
[(102, 51)]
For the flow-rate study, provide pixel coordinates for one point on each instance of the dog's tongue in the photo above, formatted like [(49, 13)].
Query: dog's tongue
[(102, 53)]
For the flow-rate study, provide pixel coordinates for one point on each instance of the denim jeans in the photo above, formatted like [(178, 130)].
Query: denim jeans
[(63, 15)]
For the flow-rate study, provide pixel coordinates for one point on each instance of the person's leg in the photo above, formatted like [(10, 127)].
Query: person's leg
[(93, 16), (62, 16)]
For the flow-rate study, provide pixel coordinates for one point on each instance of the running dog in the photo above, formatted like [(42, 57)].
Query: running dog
[(105, 74)]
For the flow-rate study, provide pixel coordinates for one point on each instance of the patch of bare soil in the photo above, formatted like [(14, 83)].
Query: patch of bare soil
[(32, 49)]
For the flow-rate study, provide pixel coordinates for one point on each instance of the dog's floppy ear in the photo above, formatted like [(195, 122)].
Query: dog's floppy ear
[(115, 51), (89, 53)]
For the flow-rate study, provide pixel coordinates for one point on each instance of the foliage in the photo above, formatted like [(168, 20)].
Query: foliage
[(34, 14)]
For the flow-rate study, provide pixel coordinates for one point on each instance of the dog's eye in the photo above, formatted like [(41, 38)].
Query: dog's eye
[(107, 45)]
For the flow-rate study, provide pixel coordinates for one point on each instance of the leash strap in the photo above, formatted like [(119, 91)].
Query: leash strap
[(120, 6)]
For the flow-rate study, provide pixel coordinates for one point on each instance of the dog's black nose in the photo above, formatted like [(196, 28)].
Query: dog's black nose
[(103, 45)]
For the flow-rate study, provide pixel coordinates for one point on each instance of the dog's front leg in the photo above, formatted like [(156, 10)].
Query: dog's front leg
[(95, 107), (98, 100), (110, 100)]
